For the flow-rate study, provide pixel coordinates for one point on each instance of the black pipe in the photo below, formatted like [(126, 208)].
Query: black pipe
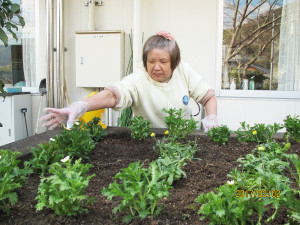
[(24, 110)]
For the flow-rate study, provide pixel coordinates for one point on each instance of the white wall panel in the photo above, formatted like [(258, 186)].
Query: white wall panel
[(232, 111)]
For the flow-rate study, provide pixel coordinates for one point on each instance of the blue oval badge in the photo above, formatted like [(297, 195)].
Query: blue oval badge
[(185, 100)]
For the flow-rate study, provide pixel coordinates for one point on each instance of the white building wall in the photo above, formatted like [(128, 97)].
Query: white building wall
[(194, 24), (232, 111)]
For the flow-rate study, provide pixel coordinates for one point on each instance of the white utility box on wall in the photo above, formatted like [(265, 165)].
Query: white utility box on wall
[(15, 117), (99, 58)]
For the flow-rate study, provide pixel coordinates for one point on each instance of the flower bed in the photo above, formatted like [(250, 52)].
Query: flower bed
[(213, 179), (117, 151)]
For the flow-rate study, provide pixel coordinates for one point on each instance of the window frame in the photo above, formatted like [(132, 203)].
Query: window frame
[(266, 94)]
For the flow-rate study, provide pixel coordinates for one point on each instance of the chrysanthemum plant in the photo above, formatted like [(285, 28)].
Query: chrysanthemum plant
[(219, 135), (139, 191), (257, 132), (63, 191), (11, 178), (139, 127), (292, 125), (178, 127)]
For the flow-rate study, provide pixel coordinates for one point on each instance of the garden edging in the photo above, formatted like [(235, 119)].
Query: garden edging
[(24, 145)]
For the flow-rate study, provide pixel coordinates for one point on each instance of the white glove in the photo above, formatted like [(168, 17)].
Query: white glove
[(65, 115), (209, 122)]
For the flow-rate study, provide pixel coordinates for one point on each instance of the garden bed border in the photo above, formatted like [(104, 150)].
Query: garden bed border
[(24, 145)]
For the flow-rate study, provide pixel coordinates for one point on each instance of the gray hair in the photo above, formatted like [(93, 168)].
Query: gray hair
[(157, 41)]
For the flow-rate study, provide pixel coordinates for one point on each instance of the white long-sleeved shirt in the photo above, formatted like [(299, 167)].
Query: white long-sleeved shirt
[(148, 97)]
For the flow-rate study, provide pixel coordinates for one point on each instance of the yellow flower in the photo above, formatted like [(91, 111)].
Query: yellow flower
[(254, 132), (152, 135), (260, 148), (166, 132)]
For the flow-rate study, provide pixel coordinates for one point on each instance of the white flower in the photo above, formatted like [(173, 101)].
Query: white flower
[(252, 125), (76, 123), (52, 139), (65, 159), (0, 156), (230, 182)]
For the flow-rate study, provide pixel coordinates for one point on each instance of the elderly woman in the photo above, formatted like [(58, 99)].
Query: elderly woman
[(162, 82)]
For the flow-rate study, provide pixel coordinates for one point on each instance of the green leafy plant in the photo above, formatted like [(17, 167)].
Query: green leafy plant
[(10, 19), (95, 129), (292, 125), (43, 156), (222, 206), (292, 201), (219, 134), (76, 142), (264, 169), (296, 162), (140, 128), (139, 190), (174, 149), (63, 191), (259, 132), (11, 178), (172, 167), (266, 181), (266, 157), (177, 126)]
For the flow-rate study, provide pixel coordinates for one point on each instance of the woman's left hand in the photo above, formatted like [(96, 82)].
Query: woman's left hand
[(209, 122)]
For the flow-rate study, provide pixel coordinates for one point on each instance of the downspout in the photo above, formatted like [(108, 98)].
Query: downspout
[(60, 55), (137, 34), (91, 20), (49, 50)]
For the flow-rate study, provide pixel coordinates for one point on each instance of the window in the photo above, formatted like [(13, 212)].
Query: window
[(17, 60), (261, 48)]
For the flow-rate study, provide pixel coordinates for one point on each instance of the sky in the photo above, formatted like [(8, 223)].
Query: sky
[(228, 13)]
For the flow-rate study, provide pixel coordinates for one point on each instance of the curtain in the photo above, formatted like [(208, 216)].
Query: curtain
[(29, 43), (289, 47)]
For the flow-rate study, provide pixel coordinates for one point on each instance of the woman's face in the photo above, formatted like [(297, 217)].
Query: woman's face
[(159, 65)]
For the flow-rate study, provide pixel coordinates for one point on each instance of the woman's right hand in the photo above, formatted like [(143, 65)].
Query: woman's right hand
[(68, 115)]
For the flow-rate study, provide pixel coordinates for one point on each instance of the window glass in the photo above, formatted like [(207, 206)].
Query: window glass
[(261, 47), (17, 60)]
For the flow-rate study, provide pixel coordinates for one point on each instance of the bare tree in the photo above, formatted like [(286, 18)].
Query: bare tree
[(251, 29)]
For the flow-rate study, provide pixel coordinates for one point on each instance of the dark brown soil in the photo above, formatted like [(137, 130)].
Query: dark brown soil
[(116, 152)]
